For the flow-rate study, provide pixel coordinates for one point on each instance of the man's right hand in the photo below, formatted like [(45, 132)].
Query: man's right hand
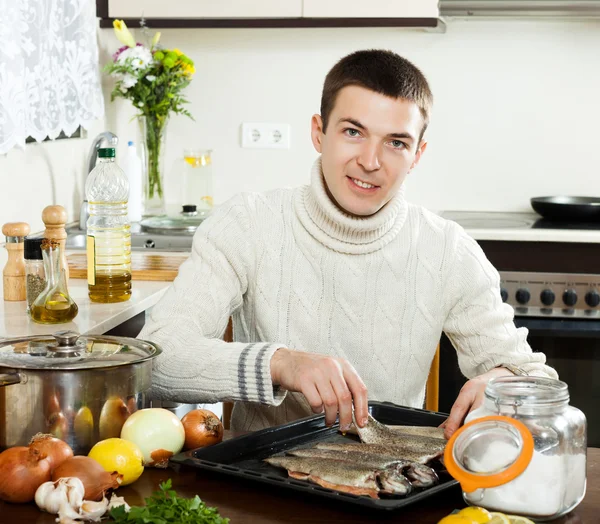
[(328, 383)]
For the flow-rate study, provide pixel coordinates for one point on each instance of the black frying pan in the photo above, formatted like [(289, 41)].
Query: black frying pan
[(566, 208)]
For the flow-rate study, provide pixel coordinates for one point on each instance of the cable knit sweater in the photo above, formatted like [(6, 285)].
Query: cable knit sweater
[(294, 271)]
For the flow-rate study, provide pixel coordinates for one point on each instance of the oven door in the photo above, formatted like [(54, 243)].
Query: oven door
[(572, 347)]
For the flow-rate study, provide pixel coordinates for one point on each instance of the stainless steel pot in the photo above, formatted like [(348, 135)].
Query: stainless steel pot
[(80, 389)]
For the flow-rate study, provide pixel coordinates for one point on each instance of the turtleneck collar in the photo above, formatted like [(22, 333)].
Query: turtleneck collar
[(343, 232)]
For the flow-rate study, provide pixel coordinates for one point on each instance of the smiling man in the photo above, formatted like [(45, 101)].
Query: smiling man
[(339, 290)]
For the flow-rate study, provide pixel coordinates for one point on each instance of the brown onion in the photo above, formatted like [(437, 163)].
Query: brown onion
[(55, 450), (202, 428), (95, 479), (23, 471)]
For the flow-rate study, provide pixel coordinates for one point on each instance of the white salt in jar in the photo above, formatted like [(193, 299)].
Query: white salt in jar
[(524, 451)]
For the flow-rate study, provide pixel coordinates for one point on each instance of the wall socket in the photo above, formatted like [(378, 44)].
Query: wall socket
[(265, 135)]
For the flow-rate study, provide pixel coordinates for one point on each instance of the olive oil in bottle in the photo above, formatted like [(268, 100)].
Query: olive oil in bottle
[(108, 231), (53, 305)]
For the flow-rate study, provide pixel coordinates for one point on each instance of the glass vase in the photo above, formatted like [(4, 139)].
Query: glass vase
[(153, 130)]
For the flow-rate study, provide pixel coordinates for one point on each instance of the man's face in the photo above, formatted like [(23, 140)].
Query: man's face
[(369, 148)]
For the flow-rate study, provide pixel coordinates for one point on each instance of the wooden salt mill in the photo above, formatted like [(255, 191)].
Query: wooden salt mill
[(55, 219), (14, 280)]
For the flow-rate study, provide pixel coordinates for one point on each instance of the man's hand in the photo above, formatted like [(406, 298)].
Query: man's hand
[(470, 397), (328, 383)]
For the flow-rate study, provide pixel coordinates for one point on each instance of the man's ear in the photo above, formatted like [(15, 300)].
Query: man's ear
[(316, 132), (420, 151)]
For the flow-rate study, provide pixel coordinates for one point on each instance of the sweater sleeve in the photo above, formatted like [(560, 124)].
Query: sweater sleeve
[(188, 322), (479, 325)]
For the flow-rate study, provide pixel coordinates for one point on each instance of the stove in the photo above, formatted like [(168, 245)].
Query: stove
[(548, 269), (550, 275)]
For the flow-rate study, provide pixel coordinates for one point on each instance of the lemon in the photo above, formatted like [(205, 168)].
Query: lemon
[(479, 515), (516, 519), (116, 454), (457, 519), (498, 518)]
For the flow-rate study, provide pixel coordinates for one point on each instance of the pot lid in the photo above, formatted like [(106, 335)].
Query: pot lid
[(187, 223), (67, 350)]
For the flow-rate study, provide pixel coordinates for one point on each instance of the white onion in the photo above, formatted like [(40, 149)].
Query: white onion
[(158, 433)]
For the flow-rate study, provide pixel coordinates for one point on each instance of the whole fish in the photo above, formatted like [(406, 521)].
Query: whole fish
[(345, 476), (423, 450), (421, 431), (420, 476)]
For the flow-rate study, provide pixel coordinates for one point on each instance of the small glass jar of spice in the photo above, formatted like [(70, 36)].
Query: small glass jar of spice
[(34, 269)]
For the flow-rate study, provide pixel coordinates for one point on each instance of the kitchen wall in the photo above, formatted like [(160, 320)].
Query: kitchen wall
[(516, 112)]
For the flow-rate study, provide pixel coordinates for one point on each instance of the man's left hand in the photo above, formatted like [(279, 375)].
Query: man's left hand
[(470, 397)]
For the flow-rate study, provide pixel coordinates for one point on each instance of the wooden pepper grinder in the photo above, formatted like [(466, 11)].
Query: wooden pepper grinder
[(55, 219), (14, 279)]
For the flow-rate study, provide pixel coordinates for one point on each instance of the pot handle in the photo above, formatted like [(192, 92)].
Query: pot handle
[(8, 379)]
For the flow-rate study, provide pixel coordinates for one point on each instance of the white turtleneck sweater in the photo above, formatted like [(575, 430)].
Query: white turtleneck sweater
[(294, 271)]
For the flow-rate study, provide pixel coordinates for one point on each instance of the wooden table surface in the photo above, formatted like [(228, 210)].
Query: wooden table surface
[(244, 502)]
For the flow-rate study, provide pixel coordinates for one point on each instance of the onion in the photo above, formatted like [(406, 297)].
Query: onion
[(95, 480), (158, 433), (202, 428), (55, 450), (23, 471)]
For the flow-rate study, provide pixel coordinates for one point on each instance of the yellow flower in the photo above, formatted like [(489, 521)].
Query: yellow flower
[(177, 52), (156, 38), (123, 34)]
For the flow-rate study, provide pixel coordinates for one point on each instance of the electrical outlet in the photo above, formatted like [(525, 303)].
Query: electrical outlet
[(265, 135)]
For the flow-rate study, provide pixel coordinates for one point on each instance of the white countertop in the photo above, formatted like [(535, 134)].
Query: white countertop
[(535, 235), (92, 318)]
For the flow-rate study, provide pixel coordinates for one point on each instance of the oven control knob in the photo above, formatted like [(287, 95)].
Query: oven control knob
[(504, 294), (547, 297), (592, 298), (523, 295), (570, 297)]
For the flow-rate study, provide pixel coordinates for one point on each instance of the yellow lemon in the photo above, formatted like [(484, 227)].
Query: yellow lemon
[(116, 454), (498, 518), (516, 519), (457, 519), (479, 515)]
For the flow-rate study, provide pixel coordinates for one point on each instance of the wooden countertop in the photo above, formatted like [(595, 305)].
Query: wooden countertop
[(244, 502)]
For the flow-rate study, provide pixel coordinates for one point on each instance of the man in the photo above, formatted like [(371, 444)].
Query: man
[(338, 290)]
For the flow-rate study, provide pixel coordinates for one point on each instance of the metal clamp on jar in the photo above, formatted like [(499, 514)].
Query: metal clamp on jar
[(524, 451)]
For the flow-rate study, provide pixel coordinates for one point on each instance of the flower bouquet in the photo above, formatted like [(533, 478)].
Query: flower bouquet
[(153, 78)]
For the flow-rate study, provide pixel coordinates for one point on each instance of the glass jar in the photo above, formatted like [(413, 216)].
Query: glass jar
[(194, 172), (523, 451), (34, 270)]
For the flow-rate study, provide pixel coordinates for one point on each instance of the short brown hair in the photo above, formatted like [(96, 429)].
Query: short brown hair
[(384, 72)]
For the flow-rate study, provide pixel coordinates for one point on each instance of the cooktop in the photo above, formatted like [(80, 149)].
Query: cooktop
[(512, 220)]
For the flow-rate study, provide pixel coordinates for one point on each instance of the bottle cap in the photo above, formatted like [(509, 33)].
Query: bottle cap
[(106, 152), (130, 143), (32, 250)]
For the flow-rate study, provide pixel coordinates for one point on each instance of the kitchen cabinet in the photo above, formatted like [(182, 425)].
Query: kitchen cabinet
[(205, 9), (271, 13), (371, 9)]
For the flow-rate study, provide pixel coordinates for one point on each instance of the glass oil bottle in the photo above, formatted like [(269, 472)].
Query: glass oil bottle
[(53, 305)]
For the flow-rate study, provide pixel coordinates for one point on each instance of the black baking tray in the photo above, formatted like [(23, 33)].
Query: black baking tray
[(243, 456)]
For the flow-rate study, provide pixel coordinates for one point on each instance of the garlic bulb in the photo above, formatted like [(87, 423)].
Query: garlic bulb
[(93, 511), (50, 496)]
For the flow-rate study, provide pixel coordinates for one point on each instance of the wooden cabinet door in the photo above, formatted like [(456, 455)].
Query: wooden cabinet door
[(183, 9), (370, 9)]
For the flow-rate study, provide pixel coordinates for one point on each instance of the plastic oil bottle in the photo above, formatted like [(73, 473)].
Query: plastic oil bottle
[(108, 231)]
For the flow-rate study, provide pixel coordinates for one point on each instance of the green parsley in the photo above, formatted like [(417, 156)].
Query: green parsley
[(165, 506)]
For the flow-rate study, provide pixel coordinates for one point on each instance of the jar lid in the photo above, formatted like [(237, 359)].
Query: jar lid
[(32, 250), (488, 452), (67, 350)]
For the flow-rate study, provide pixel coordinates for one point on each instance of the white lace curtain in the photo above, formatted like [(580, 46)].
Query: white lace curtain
[(49, 72)]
